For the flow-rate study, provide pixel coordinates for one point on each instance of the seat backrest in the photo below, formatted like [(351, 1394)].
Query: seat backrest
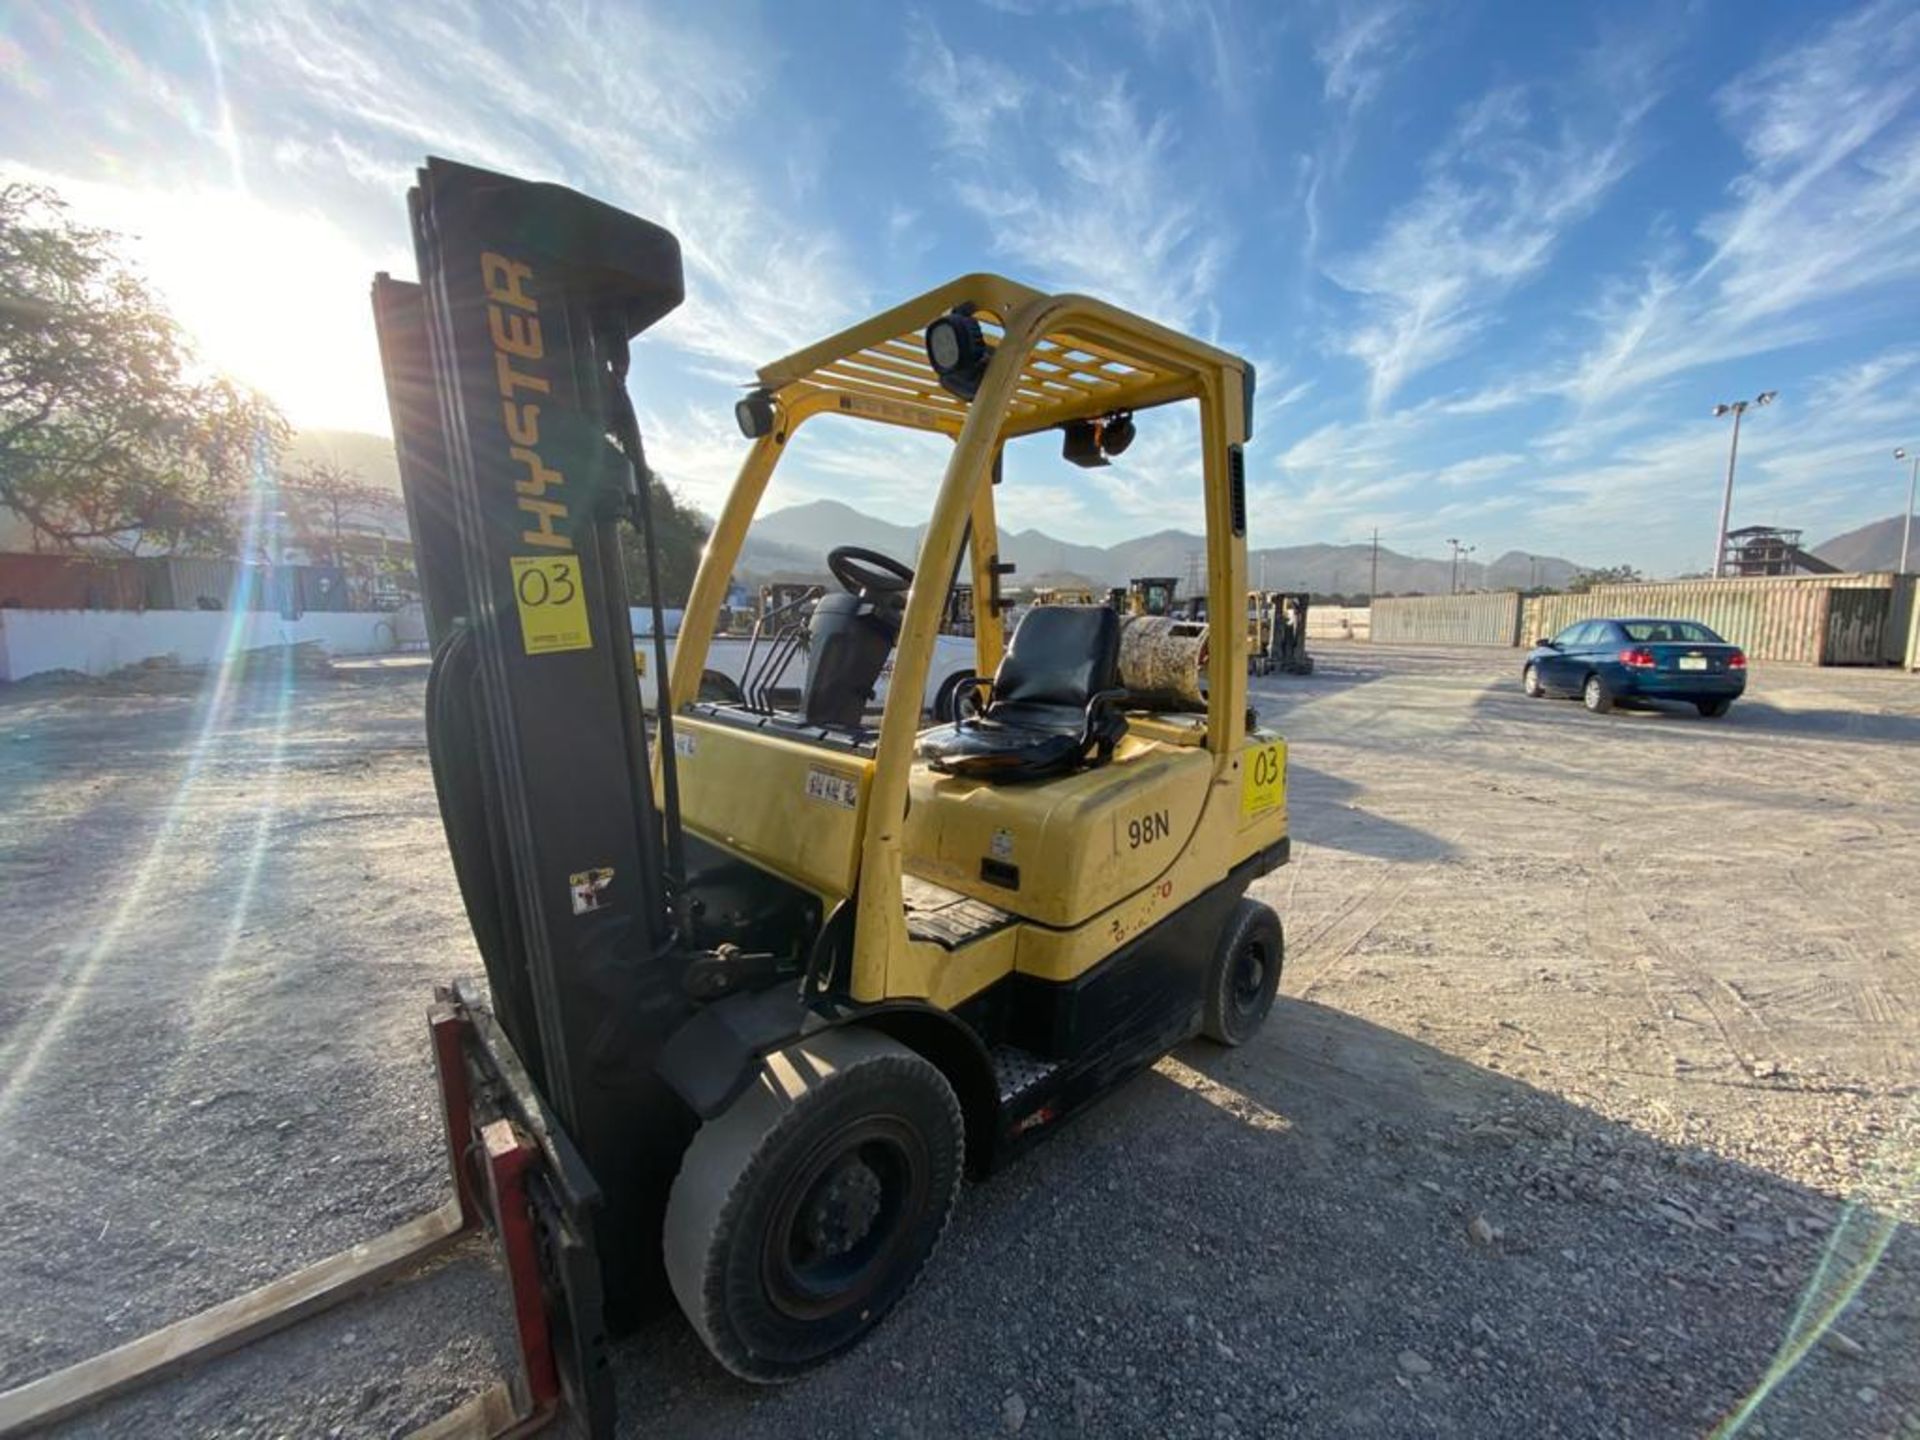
[(1060, 655)]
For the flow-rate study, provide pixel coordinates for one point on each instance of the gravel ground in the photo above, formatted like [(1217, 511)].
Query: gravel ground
[(1590, 1092)]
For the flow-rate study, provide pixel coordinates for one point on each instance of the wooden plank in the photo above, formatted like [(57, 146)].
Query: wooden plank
[(228, 1325), (490, 1415)]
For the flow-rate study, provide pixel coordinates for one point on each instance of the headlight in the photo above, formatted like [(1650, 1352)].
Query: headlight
[(958, 352), (754, 414)]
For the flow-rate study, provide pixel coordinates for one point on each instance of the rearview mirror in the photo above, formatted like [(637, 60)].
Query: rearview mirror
[(1545, 643)]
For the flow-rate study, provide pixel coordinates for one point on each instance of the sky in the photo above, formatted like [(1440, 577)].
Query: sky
[(1495, 262)]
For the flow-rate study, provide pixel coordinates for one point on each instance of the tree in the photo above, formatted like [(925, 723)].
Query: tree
[(680, 532), (1585, 580), (108, 432), (320, 497)]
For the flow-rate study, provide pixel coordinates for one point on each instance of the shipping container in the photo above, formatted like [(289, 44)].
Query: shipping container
[(1802, 619), (1338, 622), (1492, 619), (70, 582), (1913, 626)]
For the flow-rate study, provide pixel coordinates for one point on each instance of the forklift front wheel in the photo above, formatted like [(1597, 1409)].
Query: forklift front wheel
[(804, 1212), (1245, 973)]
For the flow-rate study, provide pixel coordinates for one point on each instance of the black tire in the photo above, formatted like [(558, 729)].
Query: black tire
[(719, 688), (1712, 709), (1596, 694), (1530, 682), (846, 1131), (948, 694), (1244, 975)]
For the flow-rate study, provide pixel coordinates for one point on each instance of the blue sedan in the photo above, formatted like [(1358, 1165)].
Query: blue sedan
[(1602, 661)]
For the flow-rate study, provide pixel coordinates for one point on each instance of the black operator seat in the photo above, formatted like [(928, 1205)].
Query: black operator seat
[(1054, 700)]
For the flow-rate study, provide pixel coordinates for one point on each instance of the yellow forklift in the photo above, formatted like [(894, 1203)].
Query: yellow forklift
[(1065, 595), (1277, 632), (763, 984), (991, 920), (1150, 595)]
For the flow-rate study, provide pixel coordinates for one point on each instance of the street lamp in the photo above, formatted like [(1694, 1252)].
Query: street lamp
[(1736, 409), (1453, 575), (1906, 516)]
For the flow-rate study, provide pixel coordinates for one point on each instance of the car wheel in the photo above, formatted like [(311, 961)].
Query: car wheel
[(1530, 682), (1244, 975), (806, 1210), (1712, 709), (946, 699), (1597, 695), (718, 688)]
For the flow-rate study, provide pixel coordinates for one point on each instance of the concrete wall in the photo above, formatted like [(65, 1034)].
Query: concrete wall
[(97, 642), (1808, 619), (1448, 620)]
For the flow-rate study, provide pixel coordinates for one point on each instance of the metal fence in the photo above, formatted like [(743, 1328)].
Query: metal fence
[(172, 582), (69, 582), (1809, 619), (1448, 620)]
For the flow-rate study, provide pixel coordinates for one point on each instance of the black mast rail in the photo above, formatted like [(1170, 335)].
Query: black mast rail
[(506, 369)]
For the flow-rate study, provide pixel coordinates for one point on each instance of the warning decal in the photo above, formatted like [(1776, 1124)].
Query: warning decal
[(589, 889), (1264, 784), (833, 788), (553, 605)]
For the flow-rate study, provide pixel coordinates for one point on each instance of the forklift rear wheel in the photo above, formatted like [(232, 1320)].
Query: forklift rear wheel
[(804, 1212), (1245, 973)]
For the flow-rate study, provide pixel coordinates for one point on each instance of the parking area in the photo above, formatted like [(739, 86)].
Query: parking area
[(1588, 1108)]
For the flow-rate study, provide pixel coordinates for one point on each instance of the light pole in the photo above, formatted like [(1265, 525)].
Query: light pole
[(1736, 409), (1453, 575), (1467, 552), (1906, 516)]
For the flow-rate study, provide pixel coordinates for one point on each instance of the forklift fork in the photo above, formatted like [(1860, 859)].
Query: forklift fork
[(514, 1174)]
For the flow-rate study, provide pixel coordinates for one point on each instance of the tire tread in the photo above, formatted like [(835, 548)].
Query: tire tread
[(727, 1163)]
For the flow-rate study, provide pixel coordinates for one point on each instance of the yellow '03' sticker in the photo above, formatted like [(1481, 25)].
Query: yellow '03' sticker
[(1263, 784), (553, 603)]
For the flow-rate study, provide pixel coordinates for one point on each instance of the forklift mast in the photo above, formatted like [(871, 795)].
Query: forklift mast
[(519, 458)]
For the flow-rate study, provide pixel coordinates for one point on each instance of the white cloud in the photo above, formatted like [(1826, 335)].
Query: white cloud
[(1465, 474), (1823, 221), (1367, 39), (969, 99), (1521, 168), (643, 113), (271, 295), (1099, 204)]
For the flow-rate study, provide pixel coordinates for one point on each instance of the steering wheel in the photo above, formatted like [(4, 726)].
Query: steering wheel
[(861, 570)]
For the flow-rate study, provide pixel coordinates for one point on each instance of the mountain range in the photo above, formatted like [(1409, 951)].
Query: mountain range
[(1871, 547), (795, 541), (792, 542)]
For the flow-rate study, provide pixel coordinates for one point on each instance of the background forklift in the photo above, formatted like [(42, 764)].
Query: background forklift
[(1148, 595), (1277, 632), (763, 983)]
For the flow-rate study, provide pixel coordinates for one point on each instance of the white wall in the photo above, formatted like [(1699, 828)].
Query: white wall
[(97, 642)]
